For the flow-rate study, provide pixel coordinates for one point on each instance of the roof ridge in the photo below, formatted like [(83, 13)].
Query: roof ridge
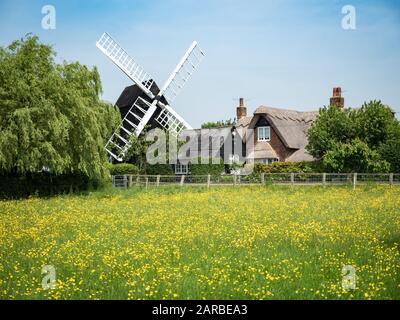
[(285, 110)]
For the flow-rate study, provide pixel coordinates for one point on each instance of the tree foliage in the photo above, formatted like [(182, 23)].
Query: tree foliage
[(390, 151), (137, 151), (356, 140), (217, 124), (354, 156), (137, 154), (375, 124), (51, 115), (332, 126)]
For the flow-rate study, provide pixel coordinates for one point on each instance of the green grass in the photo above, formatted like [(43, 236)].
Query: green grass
[(274, 242)]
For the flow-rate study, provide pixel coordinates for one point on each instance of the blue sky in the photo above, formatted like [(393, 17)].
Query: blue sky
[(281, 53)]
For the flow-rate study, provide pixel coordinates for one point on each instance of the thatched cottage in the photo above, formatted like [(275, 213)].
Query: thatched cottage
[(279, 134)]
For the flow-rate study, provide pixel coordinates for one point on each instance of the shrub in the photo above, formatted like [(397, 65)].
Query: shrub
[(15, 186), (123, 168), (288, 167), (214, 169), (160, 169)]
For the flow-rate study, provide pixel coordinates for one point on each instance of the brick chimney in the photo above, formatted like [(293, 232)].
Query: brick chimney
[(241, 111), (337, 99)]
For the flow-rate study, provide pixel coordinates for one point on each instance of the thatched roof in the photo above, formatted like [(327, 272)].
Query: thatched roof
[(263, 150), (291, 126), (243, 122), (300, 155)]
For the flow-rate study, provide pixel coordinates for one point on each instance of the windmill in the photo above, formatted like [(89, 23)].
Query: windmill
[(151, 105)]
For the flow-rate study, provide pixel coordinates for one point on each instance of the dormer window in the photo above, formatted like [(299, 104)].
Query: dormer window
[(264, 134)]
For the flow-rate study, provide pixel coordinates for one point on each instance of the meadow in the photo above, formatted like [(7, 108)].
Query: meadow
[(273, 242)]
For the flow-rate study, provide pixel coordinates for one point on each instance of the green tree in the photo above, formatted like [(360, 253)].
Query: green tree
[(137, 152), (375, 123), (390, 151), (51, 115), (364, 139), (333, 125), (218, 124), (354, 156)]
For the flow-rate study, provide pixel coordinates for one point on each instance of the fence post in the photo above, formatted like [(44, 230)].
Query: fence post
[(234, 179), (137, 180), (130, 181), (391, 178), (158, 181), (208, 181), (240, 179), (354, 180), (125, 181), (292, 178), (262, 178), (147, 182), (324, 179), (182, 180)]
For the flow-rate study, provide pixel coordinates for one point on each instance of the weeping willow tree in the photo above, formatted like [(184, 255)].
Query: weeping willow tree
[(51, 115)]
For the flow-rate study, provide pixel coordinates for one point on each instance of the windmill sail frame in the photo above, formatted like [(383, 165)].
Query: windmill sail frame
[(141, 110), (114, 51)]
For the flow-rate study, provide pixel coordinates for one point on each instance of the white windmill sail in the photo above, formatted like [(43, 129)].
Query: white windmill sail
[(169, 118), (141, 111), (128, 65), (132, 124), (183, 71)]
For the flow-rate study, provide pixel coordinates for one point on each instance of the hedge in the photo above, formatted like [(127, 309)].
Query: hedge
[(13, 186), (288, 167), (160, 169), (208, 168), (122, 168)]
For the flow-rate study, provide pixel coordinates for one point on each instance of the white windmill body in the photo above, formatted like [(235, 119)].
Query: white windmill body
[(145, 103)]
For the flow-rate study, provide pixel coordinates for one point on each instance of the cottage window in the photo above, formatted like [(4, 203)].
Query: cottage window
[(264, 134), (181, 168), (269, 160)]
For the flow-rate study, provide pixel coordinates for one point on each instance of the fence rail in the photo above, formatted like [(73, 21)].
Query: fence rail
[(127, 181)]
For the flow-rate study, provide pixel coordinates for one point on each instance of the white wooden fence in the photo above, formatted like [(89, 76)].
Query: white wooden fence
[(325, 179)]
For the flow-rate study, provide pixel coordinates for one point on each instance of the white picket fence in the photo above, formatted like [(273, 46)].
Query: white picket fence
[(325, 179)]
